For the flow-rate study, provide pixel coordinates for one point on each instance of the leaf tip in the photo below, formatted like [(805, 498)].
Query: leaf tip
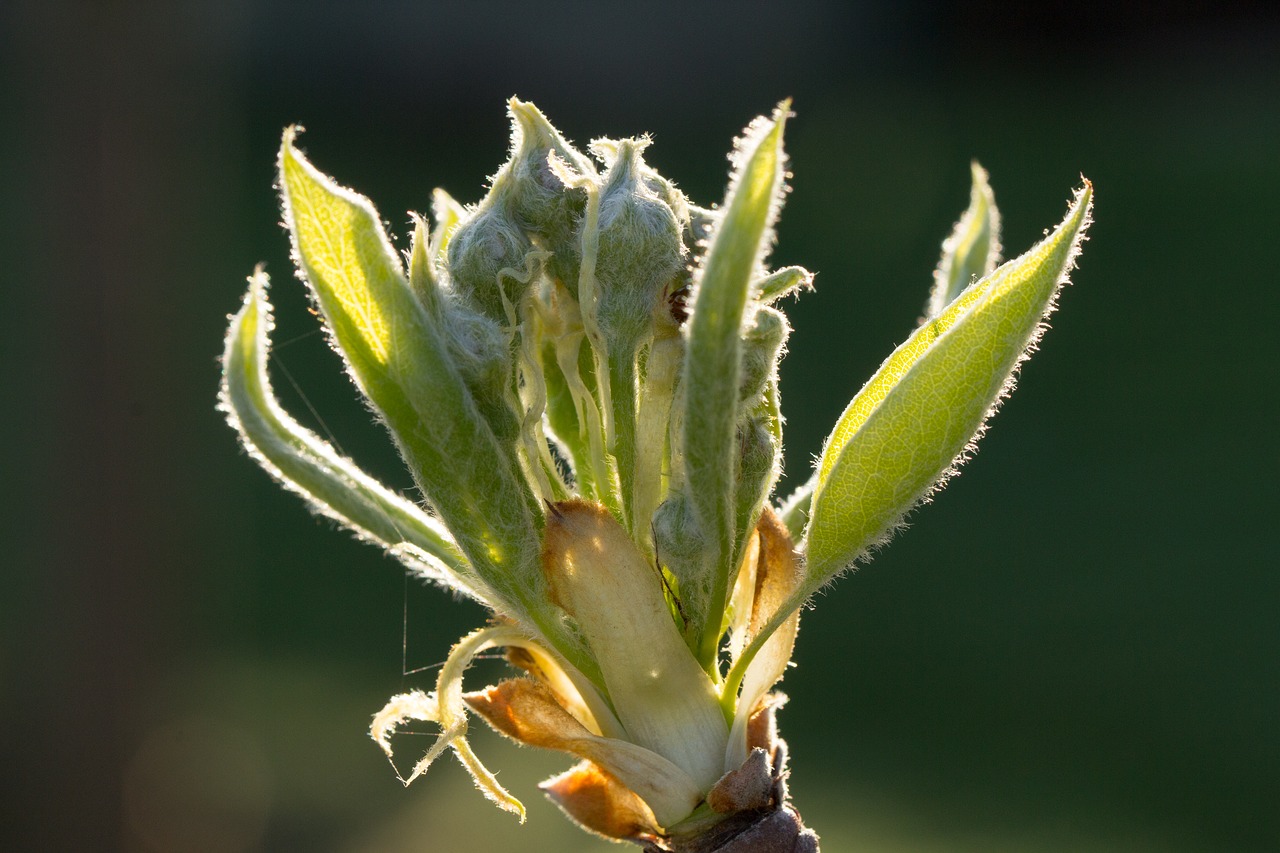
[(287, 139), (1084, 197), (980, 176), (259, 281)]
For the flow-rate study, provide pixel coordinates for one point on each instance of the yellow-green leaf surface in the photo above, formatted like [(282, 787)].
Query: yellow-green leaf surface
[(712, 360), (402, 364), (308, 465), (927, 403), (972, 249)]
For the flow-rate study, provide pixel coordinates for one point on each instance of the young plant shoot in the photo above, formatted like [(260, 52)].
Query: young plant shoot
[(580, 372)]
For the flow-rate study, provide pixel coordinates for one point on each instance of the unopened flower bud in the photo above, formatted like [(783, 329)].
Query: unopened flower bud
[(757, 465), (681, 545), (606, 151), (483, 356), (640, 250), (762, 344), (701, 224), (540, 201), (487, 258)]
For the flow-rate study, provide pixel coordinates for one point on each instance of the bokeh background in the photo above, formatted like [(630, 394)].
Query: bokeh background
[(1076, 647)]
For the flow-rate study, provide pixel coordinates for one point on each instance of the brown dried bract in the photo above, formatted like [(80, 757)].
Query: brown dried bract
[(599, 803), (748, 788), (778, 573)]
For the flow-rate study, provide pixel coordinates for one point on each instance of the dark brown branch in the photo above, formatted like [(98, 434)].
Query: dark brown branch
[(777, 831)]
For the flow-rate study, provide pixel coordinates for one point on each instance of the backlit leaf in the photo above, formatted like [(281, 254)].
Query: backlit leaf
[(972, 249), (401, 362), (712, 361), (920, 413), (308, 465)]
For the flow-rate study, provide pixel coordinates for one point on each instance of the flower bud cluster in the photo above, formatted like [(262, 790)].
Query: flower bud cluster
[(564, 293), (567, 299)]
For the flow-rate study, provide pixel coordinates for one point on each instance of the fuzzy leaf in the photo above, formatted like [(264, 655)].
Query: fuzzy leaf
[(401, 362), (448, 215), (919, 415), (972, 249), (712, 363), (308, 465)]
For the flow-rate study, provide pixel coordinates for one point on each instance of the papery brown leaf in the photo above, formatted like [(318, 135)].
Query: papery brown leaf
[(762, 728), (525, 710), (778, 571), (601, 804), (528, 712)]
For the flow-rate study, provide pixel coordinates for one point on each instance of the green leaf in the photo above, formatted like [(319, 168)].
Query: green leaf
[(794, 511), (308, 465), (918, 417), (422, 273), (712, 364), (973, 248), (448, 214), (400, 360), (920, 414)]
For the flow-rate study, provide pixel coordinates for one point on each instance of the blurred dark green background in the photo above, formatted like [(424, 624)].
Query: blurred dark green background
[(1075, 648)]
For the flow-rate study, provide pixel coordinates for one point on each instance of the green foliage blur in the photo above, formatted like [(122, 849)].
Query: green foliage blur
[(1075, 647)]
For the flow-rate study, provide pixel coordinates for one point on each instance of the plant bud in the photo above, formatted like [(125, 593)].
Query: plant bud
[(639, 249), (483, 357), (486, 257), (581, 373), (606, 151), (698, 229), (761, 347), (539, 200), (756, 465), (681, 545)]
